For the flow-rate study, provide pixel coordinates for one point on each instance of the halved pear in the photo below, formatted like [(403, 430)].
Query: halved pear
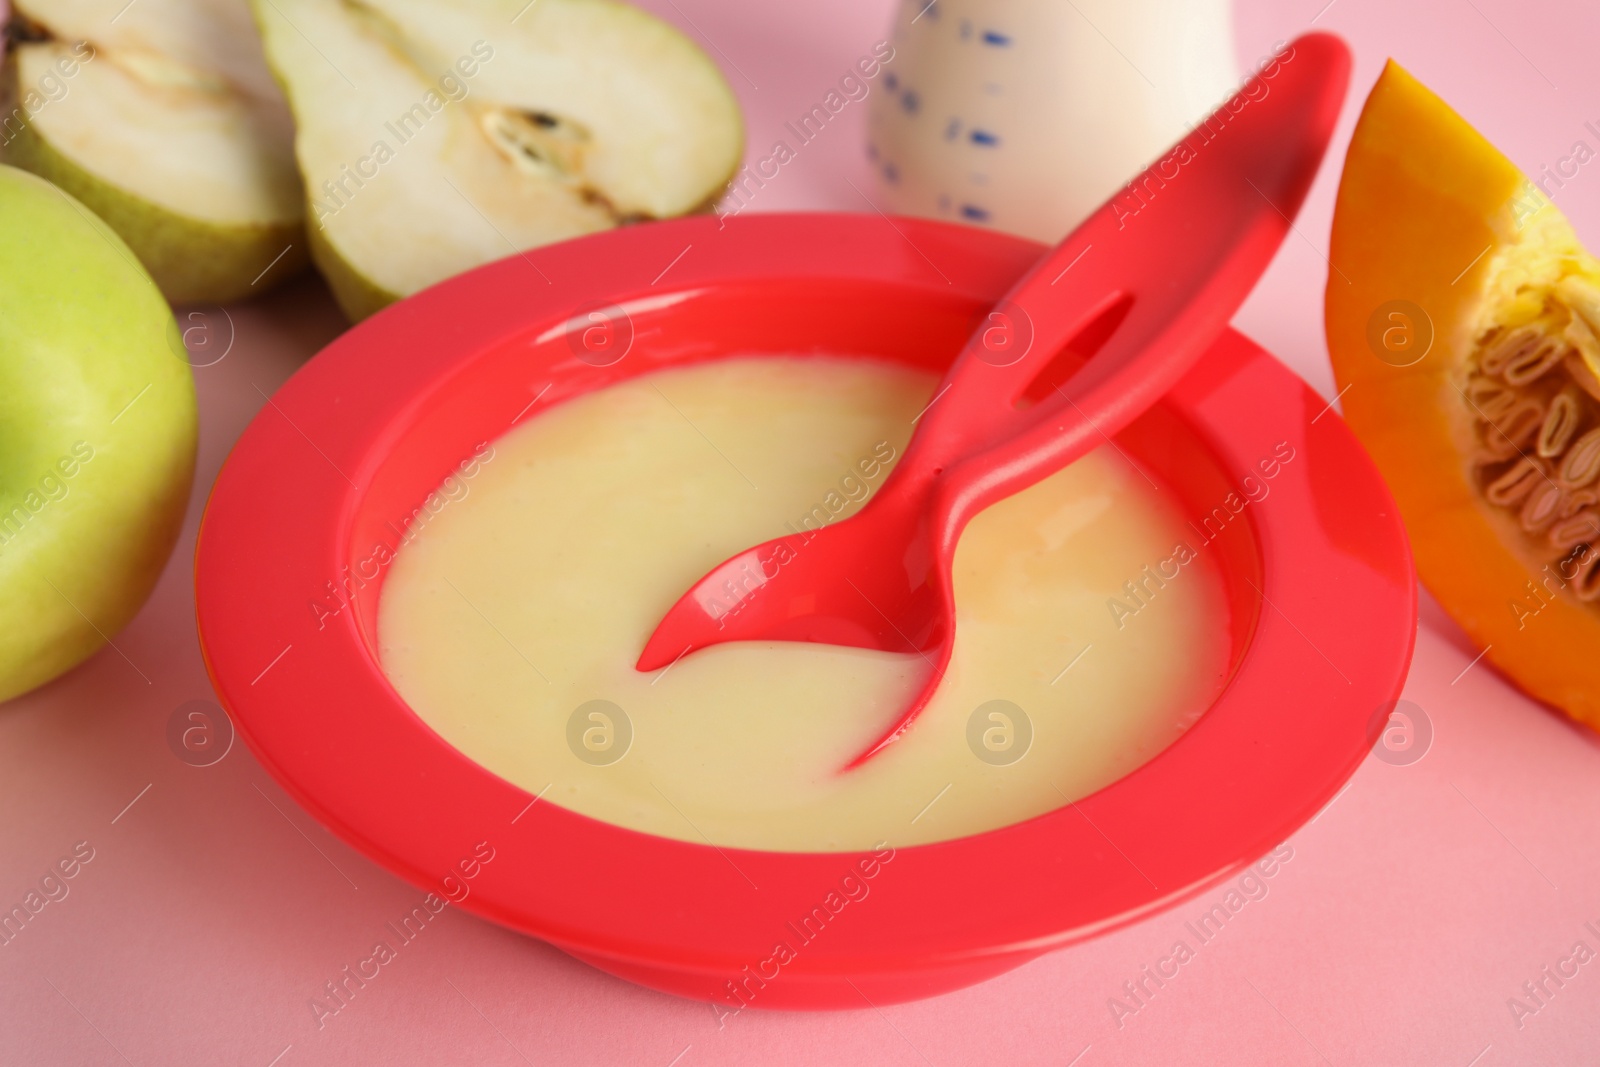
[(162, 117), (437, 135)]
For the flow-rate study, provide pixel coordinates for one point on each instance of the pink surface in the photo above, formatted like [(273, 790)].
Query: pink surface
[(1411, 910)]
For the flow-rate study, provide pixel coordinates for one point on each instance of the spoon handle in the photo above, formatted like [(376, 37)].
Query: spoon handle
[(1151, 279)]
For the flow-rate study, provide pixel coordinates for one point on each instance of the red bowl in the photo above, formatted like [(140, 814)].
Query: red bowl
[(1320, 591)]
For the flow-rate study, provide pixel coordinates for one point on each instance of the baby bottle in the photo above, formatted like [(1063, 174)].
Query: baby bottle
[(1026, 115)]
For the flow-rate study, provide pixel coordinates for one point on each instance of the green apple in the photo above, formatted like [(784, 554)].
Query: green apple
[(162, 117), (437, 135), (97, 432)]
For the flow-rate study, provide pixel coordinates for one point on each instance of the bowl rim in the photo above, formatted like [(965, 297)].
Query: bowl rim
[(1334, 635)]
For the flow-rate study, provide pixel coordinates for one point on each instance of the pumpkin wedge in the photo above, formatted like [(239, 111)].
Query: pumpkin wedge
[(1462, 319)]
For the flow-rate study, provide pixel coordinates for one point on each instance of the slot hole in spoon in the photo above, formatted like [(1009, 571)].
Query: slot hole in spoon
[(1078, 351)]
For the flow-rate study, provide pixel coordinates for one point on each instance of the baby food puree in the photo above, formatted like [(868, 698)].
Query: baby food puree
[(511, 622)]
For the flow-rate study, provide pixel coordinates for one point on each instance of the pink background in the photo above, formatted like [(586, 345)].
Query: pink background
[(1414, 906)]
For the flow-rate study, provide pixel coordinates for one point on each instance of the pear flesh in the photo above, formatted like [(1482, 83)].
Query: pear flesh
[(162, 117), (437, 135)]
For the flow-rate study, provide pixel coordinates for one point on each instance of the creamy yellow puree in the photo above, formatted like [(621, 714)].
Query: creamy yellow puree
[(511, 622)]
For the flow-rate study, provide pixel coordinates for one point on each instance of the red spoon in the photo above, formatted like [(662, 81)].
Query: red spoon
[(1141, 288)]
